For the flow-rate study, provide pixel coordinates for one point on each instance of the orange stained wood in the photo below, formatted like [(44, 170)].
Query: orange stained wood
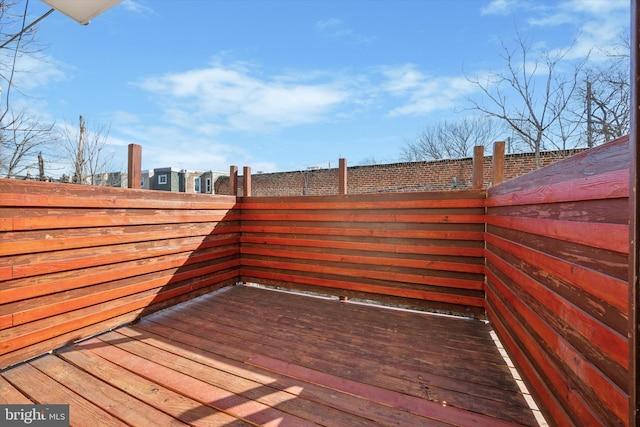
[(251, 356)]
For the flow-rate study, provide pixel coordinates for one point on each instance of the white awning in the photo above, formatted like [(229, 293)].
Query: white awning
[(81, 10)]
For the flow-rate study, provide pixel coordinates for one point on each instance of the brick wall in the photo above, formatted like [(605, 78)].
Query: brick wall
[(392, 177)]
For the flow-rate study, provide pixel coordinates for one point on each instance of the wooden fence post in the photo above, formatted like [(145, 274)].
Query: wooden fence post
[(246, 181), (233, 180), (134, 166), (634, 222), (342, 176), (498, 163), (478, 166)]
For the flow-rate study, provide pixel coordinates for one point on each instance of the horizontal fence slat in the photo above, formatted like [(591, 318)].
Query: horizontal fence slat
[(366, 232), (557, 246), (613, 237), (418, 247), (608, 289), (43, 194), (373, 260), (250, 275), (609, 185), (26, 242)]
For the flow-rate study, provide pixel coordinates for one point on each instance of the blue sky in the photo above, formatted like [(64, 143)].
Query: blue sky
[(284, 85)]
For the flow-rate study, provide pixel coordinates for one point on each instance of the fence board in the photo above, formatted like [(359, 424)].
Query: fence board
[(73, 257), (424, 246), (557, 266)]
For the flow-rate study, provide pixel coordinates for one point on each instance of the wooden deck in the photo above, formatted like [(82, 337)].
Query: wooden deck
[(250, 356)]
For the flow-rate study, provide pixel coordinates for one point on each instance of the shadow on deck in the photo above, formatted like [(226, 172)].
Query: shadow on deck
[(246, 355)]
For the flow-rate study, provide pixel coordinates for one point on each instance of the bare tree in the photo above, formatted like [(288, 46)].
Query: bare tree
[(606, 93), (88, 153), (531, 95), (22, 135), (451, 140), (21, 138)]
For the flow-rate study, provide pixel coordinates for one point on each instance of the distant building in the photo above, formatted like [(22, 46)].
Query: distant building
[(180, 180), (109, 179)]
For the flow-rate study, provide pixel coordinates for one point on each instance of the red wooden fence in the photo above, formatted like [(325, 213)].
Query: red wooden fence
[(426, 247), (77, 260), (557, 267)]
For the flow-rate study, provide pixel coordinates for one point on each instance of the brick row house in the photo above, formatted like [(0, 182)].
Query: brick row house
[(180, 180)]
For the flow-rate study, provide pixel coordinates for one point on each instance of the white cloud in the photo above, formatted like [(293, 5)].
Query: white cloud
[(597, 7), (337, 29), (599, 24), (234, 98), (32, 72), (137, 7), (328, 24), (423, 94), (499, 7)]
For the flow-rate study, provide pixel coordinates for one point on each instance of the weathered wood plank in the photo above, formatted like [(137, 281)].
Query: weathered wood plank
[(343, 350), (421, 247), (613, 237), (34, 194), (288, 400), (37, 219), (375, 259), (25, 288), (609, 185), (21, 336), (608, 348), (11, 395), (27, 242), (257, 276), (609, 289), (75, 259), (581, 413), (42, 389), (178, 406), (613, 264), (201, 391), (197, 364), (368, 217), (386, 232), (463, 198), (611, 158), (217, 355), (26, 311), (431, 410), (369, 272), (557, 270), (547, 399), (108, 398)]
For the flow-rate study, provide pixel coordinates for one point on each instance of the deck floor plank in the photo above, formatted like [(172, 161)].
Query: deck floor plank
[(42, 389), (448, 352), (10, 394), (214, 354), (475, 390), (251, 356), (103, 395), (176, 405)]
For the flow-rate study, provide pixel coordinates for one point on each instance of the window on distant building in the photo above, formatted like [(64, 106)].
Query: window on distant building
[(208, 184), (162, 179), (196, 184)]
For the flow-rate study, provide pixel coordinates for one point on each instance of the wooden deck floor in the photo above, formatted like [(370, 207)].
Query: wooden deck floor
[(249, 356)]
